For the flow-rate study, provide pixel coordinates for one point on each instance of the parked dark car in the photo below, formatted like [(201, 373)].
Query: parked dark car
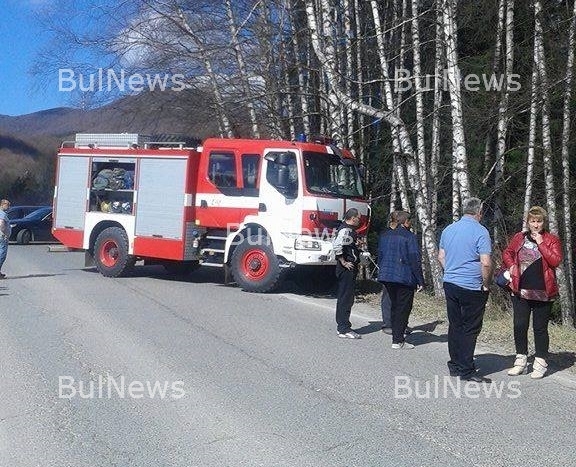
[(18, 212), (36, 226)]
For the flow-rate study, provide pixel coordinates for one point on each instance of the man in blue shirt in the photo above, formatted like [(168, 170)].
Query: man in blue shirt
[(400, 270), (465, 254)]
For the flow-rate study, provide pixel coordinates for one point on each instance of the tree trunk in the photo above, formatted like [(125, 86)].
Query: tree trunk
[(568, 314), (502, 127), (244, 79), (435, 143), (224, 122), (421, 146), (489, 144), (534, 107), (389, 99), (548, 160), (453, 75)]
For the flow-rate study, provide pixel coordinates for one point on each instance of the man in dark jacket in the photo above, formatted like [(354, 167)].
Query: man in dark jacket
[(385, 303), (400, 270), (347, 259)]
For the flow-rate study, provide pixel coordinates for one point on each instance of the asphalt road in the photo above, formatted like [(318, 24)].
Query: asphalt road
[(243, 379)]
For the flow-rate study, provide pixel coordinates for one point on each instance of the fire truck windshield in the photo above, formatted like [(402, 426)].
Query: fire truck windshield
[(328, 174)]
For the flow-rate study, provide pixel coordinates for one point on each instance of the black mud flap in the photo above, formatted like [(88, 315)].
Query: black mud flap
[(88, 260)]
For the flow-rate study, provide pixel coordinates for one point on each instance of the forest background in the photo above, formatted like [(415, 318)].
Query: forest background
[(439, 99)]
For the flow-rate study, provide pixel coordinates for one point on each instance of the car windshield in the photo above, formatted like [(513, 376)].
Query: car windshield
[(328, 174), (37, 214)]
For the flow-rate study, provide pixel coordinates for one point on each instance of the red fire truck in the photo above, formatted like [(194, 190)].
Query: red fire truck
[(254, 207)]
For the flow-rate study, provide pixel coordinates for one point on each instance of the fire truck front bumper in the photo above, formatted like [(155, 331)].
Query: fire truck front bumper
[(312, 250)]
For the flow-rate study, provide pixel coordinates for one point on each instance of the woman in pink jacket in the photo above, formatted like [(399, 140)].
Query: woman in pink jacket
[(531, 258)]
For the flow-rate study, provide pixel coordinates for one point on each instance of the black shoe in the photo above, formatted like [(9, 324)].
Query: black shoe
[(476, 379), (407, 331), (453, 369)]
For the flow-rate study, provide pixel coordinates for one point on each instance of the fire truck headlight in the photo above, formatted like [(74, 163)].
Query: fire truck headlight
[(307, 244)]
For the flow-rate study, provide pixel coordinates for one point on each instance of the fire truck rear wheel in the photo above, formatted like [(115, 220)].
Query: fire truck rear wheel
[(255, 267), (111, 253)]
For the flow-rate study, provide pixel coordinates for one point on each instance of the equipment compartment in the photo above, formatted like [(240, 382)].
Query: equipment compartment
[(112, 186)]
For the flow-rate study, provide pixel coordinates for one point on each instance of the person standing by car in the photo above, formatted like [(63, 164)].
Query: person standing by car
[(347, 259), (400, 270), (532, 257), (466, 256), (5, 231)]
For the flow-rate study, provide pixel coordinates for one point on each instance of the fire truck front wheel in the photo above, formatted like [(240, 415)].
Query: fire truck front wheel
[(255, 267), (111, 252)]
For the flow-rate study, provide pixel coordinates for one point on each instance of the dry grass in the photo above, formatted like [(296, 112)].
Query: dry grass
[(497, 329)]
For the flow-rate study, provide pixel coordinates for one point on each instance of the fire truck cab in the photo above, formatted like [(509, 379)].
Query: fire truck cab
[(254, 207)]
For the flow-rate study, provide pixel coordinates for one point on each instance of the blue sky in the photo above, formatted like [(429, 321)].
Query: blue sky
[(22, 36)]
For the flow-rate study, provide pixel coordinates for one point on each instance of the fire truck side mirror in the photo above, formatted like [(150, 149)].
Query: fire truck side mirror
[(282, 173), (280, 158)]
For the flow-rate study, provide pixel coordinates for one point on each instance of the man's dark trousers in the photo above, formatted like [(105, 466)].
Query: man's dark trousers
[(402, 298), (386, 307), (346, 286), (465, 310)]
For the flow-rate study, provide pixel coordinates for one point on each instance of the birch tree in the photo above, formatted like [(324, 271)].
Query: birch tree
[(224, 122), (460, 163), (302, 56), (391, 105), (243, 75), (547, 154), (566, 198), (503, 116), (419, 96), (435, 136), (325, 54), (534, 110), (488, 147)]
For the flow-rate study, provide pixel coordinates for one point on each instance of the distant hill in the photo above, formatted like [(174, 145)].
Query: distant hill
[(185, 112)]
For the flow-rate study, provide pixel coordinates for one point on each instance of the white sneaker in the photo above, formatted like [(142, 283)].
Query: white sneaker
[(403, 345), (349, 335)]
